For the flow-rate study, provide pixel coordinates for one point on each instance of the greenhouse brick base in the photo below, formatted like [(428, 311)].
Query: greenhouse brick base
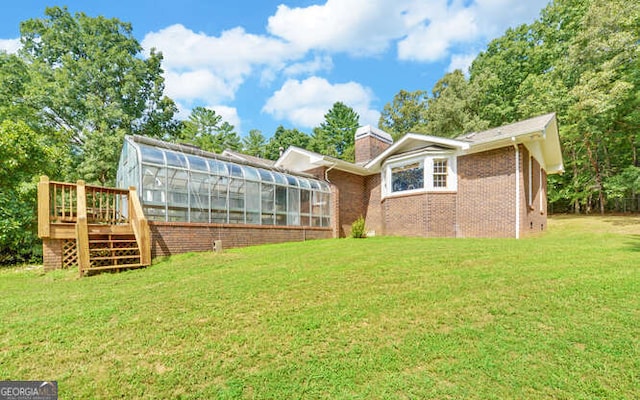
[(169, 238)]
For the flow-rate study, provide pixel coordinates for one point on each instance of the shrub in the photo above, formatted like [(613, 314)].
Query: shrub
[(357, 228)]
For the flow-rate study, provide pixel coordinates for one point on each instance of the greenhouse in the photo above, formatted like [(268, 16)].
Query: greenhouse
[(179, 183)]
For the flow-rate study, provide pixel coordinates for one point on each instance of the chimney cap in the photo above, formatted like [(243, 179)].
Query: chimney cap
[(368, 130)]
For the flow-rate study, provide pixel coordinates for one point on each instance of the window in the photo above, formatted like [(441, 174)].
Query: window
[(440, 173), (407, 177)]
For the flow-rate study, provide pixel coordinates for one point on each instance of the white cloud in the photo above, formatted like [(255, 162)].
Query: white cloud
[(228, 114), (461, 62), (212, 68), (361, 27), (10, 45), (318, 64), (304, 103)]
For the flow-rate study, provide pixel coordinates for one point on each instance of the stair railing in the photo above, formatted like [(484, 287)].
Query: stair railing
[(140, 226), (82, 230)]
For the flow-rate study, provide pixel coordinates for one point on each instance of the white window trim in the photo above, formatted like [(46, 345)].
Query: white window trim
[(427, 162)]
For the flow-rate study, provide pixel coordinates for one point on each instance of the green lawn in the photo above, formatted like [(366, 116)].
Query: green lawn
[(555, 316)]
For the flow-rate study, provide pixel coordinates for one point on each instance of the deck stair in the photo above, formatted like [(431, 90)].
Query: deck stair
[(113, 251), (101, 228)]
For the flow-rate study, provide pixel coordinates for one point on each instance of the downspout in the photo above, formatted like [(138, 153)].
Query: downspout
[(326, 172), (517, 149)]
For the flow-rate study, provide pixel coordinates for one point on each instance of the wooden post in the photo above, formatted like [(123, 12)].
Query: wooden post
[(140, 226), (82, 229), (44, 208)]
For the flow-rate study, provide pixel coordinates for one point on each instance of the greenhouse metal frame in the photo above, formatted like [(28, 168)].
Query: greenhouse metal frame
[(179, 183)]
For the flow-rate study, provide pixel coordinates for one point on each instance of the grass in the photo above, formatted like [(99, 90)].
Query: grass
[(555, 316)]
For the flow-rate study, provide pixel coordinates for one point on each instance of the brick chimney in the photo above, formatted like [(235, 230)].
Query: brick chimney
[(370, 142)]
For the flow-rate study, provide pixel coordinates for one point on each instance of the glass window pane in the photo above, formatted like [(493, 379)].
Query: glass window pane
[(293, 207), (268, 193), (236, 201), (176, 159), (235, 170), (197, 163), (154, 185), (177, 187), (407, 177), (218, 167), (199, 200), (314, 184), (292, 180), (219, 186), (279, 178), (281, 205), (304, 183), (151, 154), (251, 173), (305, 207), (253, 201), (265, 175)]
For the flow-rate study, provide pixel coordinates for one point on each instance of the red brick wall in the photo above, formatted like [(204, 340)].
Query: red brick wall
[(368, 147), (405, 215), (441, 214), (169, 238), (51, 254), (350, 197), (373, 213), (486, 194)]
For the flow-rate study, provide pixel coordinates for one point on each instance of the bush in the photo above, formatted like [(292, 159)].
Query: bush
[(357, 228)]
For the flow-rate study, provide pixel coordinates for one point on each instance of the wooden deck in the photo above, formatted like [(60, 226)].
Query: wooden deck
[(107, 225)]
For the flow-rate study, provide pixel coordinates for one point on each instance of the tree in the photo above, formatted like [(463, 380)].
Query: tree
[(24, 154), (254, 144), (406, 113), (87, 77), (336, 134), (282, 139), (206, 130), (453, 107)]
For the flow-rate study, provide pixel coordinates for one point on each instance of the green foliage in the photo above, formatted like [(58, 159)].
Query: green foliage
[(580, 59), (206, 130), (282, 139), (254, 144), (87, 77), (386, 317), (406, 113), (358, 228), (24, 155), (335, 136), (453, 108)]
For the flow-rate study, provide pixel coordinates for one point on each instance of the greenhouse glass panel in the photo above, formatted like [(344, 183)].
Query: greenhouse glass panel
[(218, 168), (304, 183), (199, 197), (279, 178), (176, 159), (197, 163), (292, 180), (177, 190), (252, 202), (265, 175), (268, 192), (293, 209), (281, 205), (153, 193), (151, 155), (236, 201), (235, 170), (251, 173), (219, 188), (305, 207)]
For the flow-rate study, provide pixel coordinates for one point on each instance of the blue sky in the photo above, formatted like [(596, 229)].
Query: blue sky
[(264, 63)]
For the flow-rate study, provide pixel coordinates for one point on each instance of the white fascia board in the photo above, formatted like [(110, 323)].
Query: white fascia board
[(376, 162), (293, 156)]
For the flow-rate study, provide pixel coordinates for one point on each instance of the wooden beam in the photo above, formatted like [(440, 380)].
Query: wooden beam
[(140, 226), (44, 208), (82, 229)]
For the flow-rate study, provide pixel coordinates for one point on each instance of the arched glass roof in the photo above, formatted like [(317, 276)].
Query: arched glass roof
[(177, 183)]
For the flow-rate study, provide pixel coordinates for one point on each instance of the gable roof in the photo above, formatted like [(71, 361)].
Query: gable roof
[(539, 135)]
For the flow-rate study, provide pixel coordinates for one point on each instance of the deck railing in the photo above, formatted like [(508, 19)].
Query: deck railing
[(61, 203)]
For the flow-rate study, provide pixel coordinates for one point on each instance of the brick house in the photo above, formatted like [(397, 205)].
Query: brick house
[(483, 184)]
